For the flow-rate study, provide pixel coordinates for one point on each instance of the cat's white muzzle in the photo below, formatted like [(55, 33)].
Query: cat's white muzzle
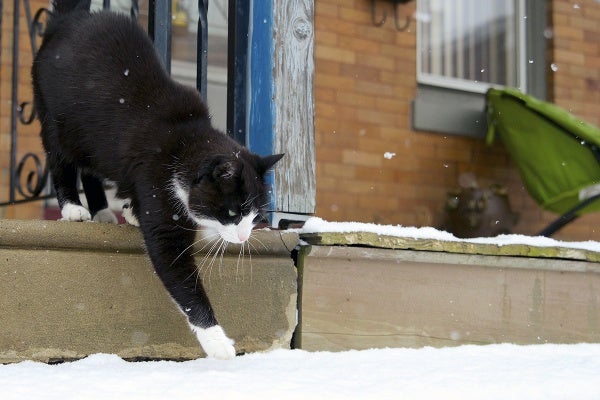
[(231, 232)]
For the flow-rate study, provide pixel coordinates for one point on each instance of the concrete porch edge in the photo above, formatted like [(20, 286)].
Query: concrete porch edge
[(68, 290)]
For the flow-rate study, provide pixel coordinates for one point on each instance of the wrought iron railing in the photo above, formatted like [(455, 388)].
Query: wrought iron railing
[(29, 178), (23, 113)]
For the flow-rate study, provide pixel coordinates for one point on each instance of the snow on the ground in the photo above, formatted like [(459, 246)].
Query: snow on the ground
[(315, 224), (502, 371)]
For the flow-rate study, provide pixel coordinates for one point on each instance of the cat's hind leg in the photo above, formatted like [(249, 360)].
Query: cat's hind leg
[(63, 172), (64, 175), (97, 203), (129, 214)]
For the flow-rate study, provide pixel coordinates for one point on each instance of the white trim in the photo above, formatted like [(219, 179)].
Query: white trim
[(522, 42), (454, 83)]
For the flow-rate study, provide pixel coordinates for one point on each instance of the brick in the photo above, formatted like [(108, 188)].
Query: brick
[(385, 34), (359, 46), (335, 54), (382, 203), (359, 16), (384, 118), (334, 170), (375, 174), (569, 32), (379, 89), (355, 157), (350, 98), (327, 153), (323, 9), (333, 81), (382, 62), (329, 38), (360, 72)]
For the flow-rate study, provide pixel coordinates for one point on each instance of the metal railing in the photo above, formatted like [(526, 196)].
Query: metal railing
[(29, 177)]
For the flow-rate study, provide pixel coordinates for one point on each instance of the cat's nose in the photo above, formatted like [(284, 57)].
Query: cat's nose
[(243, 236)]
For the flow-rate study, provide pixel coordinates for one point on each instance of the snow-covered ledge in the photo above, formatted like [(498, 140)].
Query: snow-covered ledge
[(366, 285), (68, 290)]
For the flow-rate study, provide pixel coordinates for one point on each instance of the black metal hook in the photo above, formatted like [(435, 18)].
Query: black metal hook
[(377, 23), (407, 20), (373, 12)]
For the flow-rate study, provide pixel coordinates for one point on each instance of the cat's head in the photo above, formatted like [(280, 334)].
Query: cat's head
[(227, 193)]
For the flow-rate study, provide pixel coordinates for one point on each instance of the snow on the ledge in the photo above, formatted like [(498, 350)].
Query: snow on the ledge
[(316, 225)]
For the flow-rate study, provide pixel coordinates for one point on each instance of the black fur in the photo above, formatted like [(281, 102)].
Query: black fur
[(109, 110)]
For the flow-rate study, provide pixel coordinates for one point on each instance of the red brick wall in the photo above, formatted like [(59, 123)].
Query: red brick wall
[(365, 79)]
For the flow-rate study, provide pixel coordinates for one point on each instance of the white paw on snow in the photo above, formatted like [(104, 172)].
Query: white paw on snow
[(214, 342), (130, 218), (106, 216), (74, 212)]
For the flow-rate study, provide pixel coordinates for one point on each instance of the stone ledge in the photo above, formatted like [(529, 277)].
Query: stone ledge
[(73, 289), (360, 297), (369, 239)]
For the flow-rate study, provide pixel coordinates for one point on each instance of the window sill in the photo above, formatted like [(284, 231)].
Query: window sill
[(449, 111)]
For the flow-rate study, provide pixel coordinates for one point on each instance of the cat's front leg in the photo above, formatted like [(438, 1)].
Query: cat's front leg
[(170, 248), (214, 341)]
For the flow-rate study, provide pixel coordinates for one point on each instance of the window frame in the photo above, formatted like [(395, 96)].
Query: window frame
[(457, 107)]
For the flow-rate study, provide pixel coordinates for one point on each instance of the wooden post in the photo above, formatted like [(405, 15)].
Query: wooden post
[(281, 116)]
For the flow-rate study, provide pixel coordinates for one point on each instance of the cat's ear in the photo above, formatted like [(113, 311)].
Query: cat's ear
[(266, 163)]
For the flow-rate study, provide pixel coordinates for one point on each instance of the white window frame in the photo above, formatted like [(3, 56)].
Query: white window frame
[(474, 86)]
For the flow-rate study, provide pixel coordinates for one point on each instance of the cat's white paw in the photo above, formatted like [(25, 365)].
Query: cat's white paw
[(106, 216), (74, 212), (214, 342), (130, 218)]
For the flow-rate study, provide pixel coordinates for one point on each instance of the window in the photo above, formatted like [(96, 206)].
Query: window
[(469, 44), (466, 46)]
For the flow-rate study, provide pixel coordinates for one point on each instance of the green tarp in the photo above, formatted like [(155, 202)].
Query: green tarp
[(551, 147)]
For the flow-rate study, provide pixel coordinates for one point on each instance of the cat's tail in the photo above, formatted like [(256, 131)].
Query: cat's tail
[(63, 7)]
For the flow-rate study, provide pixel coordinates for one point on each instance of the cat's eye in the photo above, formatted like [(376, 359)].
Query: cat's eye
[(232, 213)]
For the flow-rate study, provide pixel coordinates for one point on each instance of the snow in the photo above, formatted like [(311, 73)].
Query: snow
[(501, 371), (315, 225)]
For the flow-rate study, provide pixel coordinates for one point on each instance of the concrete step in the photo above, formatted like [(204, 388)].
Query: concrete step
[(69, 289)]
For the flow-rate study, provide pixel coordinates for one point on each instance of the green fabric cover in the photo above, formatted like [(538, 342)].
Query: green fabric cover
[(548, 145)]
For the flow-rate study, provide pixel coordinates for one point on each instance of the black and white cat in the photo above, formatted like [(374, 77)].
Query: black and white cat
[(109, 110)]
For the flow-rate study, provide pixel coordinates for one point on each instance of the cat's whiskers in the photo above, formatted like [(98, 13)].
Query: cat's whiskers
[(237, 266), (249, 200), (204, 238), (222, 253), (250, 258), (216, 247), (213, 246), (257, 240), (209, 240), (196, 271)]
